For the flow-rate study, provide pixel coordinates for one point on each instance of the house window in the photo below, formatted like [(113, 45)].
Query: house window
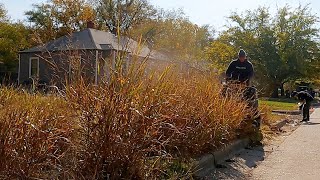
[(34, 67)]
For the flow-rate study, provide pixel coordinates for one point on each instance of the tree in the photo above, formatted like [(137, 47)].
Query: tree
[(119, 16), (57, 18), (283, 48), (173, 33), (220, 54), (13, 38), (297, 47), (3, 13)]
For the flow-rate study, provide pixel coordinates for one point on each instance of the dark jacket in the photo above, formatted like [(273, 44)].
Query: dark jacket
[(240, 71), (303, 95)]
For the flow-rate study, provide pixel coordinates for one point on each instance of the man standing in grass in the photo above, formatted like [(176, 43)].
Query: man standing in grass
[(240, 71), (306, 99)]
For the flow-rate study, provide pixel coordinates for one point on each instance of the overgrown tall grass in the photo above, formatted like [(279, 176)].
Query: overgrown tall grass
[(134, 126), (35, 135)]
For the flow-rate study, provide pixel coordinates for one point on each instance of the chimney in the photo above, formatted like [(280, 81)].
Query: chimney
[(90, 24)]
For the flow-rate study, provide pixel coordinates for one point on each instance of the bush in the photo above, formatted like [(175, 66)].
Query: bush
[(35, 134), (132, 127)]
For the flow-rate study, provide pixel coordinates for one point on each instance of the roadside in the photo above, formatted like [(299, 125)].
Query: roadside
[(240, 166), (297, 157), (278, 128)]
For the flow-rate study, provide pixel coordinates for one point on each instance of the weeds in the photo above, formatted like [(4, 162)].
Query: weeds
[(34, 135), (134, 126)]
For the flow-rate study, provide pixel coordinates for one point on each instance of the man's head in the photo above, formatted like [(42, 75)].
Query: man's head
[(242, 55)]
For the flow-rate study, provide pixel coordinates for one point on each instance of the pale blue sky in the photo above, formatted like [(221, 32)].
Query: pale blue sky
[(211, 12)]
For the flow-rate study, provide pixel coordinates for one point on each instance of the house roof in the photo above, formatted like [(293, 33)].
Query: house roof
[(92, 39)]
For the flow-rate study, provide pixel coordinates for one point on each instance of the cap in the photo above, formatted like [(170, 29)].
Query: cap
[(242, 53)]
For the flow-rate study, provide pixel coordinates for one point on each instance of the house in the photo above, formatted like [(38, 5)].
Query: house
[(89, 53)]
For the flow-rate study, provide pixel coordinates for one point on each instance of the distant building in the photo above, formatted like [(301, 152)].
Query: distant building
[(91, 51)]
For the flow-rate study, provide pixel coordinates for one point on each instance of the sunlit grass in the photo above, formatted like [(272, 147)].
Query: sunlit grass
[(278, 105), (133, 126)]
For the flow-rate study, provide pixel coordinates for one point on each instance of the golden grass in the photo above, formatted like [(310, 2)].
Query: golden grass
[(131, 127), (35, 134)]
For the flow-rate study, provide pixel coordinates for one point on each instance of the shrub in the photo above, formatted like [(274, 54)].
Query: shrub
[(134, 126), (129, 121), (34, 135)]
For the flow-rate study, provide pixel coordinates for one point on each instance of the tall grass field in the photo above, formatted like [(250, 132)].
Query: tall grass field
[(134, 126)]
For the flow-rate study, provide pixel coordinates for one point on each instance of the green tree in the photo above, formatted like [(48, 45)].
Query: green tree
[(56, 18), (13, 38), (173, 33), (283, 48), (120, 16), (3, 13), (297, 47), (220, 54)]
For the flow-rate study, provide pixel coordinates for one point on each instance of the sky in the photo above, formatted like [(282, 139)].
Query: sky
[(201, 12)]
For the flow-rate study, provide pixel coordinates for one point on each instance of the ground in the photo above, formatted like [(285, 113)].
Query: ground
[(292, 154), (242, 164), (297, 157)]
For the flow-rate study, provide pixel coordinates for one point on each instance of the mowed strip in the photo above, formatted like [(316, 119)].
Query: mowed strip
[(279, 105)]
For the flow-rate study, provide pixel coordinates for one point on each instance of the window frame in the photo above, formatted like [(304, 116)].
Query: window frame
[(30, 67)]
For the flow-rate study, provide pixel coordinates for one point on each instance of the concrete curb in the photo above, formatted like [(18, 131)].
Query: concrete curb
[(295, 112), (207, 163), (279, 125)]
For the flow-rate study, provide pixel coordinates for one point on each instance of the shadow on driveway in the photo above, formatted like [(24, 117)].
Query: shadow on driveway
[(310, 124), (243, 161)]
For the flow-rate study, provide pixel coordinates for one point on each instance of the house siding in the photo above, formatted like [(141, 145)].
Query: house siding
[(54, 67), (45, 72)]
